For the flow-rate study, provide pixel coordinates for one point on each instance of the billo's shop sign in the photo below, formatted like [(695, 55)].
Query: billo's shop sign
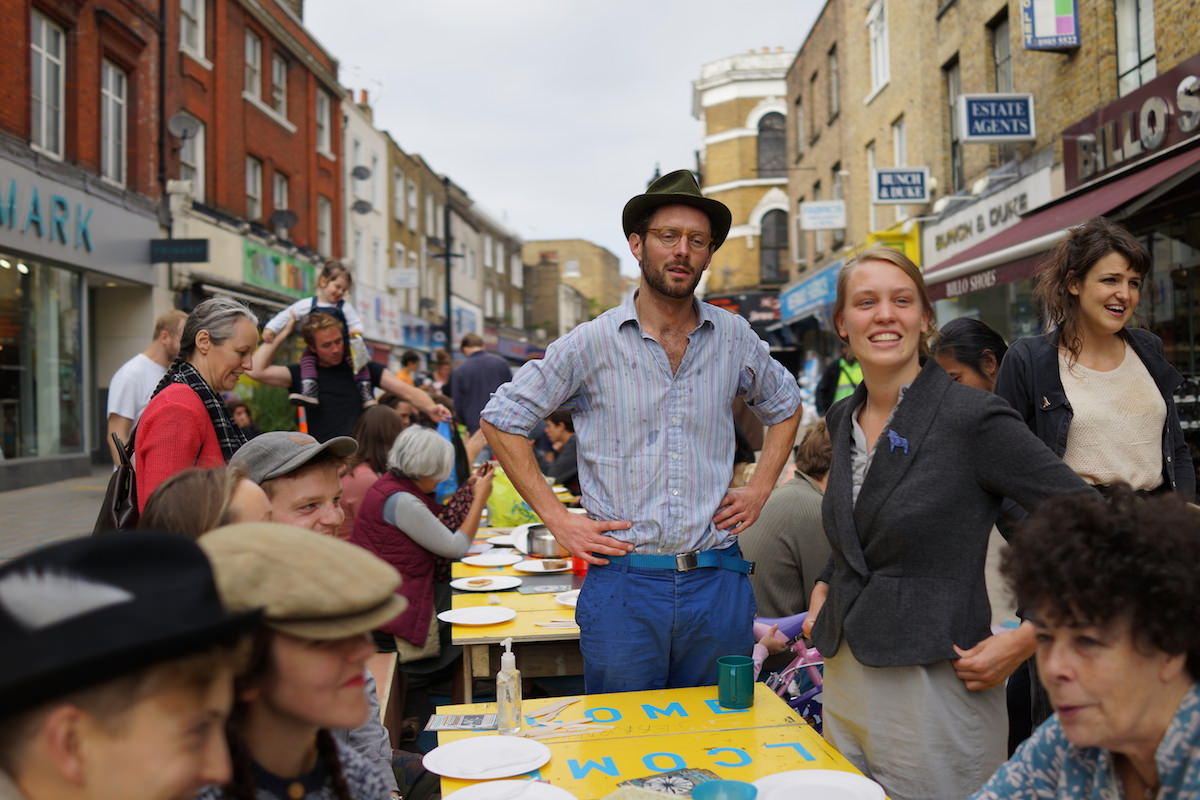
[(1163, 113), (991, 118)]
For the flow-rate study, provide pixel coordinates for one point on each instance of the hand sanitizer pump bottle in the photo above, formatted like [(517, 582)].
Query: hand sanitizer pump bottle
[(508, 692)]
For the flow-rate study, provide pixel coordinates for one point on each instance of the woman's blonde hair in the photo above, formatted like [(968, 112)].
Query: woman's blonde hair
[(906, 265)]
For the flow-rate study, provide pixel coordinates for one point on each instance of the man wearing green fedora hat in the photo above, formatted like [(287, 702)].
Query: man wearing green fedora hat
[(650, 386)]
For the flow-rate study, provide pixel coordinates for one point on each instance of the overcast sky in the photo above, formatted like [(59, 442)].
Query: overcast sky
[(550, 113)]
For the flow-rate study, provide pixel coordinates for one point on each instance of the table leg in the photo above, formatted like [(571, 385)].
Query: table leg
[(468, 677)]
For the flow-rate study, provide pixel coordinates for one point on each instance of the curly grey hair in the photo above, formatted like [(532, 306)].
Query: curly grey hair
[(420, 453)]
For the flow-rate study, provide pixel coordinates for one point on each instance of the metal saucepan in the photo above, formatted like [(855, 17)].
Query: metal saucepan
[(541, 542)]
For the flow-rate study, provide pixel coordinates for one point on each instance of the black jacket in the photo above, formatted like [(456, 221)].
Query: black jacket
[(906, 573), (1030, 382)]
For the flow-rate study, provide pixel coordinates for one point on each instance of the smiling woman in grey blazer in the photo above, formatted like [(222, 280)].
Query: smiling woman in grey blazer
[(913, 676)]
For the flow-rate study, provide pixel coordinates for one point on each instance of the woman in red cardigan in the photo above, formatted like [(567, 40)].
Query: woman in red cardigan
[(186, 423)]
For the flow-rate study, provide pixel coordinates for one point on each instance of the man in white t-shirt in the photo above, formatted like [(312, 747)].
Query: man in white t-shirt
[(131, 386)]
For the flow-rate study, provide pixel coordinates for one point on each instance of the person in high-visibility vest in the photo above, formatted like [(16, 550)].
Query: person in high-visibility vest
[(839, 380)]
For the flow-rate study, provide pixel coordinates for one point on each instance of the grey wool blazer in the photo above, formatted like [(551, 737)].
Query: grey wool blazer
[(905, 577)]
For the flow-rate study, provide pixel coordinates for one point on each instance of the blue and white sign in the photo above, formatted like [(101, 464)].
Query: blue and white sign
[(899, 185), (1050, 24), (990, 118), (823, 215), (812, 296)]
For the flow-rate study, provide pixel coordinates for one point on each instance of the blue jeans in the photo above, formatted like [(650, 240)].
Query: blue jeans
[(660, 629)]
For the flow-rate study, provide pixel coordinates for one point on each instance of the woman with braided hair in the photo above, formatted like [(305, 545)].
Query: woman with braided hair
[(186, 423)]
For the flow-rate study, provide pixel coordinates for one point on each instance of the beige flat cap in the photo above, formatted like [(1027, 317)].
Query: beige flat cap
[(308, 584)]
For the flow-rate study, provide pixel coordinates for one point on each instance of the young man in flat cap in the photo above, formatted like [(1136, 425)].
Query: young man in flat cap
[(301, 478), (116, 677), (650, 385)]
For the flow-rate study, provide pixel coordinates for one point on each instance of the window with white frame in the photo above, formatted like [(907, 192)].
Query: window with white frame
[(500, 304), (48, 55), (252, 80), (801, 237), (838, 193), (430, 215), (834, 86), (1136, 60), (254, 178), (773, 247), (818, 236), (471, 267), (772, 146), (191, 27), (399, 200), (499, 257), (518, 316), (571, 268), (324, 225), (489, 305), (377, 262), (113, 118), (900, 157), (953, 80), (518, 272), (358, 253), (872, 219), (413, 204), (1002, 73), (374, 187), (279, 78), (878, 39), (399, 256), (191, 158), (439, 220), (324, 144), (279, 199), (487, 250)]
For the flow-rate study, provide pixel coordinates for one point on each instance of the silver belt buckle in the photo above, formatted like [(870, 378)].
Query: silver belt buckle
[(685, 562)]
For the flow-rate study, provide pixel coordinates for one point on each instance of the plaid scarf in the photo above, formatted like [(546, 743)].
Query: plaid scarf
[(229, 435)]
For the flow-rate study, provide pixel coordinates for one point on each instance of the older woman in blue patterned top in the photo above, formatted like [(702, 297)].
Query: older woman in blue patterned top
[(1114, 594)]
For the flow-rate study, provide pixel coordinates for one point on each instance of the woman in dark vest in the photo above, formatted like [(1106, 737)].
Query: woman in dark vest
[(400, 522)]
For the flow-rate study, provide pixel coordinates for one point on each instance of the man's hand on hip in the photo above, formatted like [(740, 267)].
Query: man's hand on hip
[(584, 537), (739, 508)]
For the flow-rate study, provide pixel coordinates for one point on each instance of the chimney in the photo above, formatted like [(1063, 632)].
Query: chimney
[(296, 6)]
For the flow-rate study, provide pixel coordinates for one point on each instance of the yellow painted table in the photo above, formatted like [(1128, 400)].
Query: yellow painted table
[(669, 729), (540, 651)]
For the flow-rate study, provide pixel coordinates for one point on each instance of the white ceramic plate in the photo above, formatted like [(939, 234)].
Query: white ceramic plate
[(483, 757), (495, 583), (478, 615), (504, 558), (828, 784), (567, 598), (522, 790), (503, 540), (539, 565)]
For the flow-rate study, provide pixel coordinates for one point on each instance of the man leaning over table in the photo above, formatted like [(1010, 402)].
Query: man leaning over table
[(650, 386)]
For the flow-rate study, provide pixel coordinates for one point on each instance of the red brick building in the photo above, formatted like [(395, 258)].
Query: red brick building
[(79, 185), (256, 100)]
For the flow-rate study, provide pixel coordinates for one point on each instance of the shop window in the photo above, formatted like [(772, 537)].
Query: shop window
[(324, 144), (1136, 62), (48, 56), (41, 355), (878, 38), (191, 27), (252, 80), (279, 74), (772, 146), (113, 119), (952, 79), (254, 182), (772, 247), (191, 159)]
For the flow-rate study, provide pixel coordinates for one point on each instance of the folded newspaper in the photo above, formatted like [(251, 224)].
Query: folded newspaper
[(461, 722)]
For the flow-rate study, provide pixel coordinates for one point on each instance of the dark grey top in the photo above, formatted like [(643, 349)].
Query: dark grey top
[(472, 383), (788, 547), (906, 574)]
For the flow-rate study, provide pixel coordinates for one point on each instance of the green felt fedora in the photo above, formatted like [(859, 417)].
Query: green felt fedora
[(678, 188)]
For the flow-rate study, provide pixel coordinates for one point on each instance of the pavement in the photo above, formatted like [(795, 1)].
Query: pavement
[(42, 514)]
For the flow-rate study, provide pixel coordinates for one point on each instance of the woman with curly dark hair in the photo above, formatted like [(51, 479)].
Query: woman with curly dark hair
[(1113, 593), (1095, 389)]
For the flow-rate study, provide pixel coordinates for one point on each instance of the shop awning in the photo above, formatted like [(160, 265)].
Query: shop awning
[(1017, 249), (808, 298)]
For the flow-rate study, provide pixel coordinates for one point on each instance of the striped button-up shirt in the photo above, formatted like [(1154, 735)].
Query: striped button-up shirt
[(655, 449)]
